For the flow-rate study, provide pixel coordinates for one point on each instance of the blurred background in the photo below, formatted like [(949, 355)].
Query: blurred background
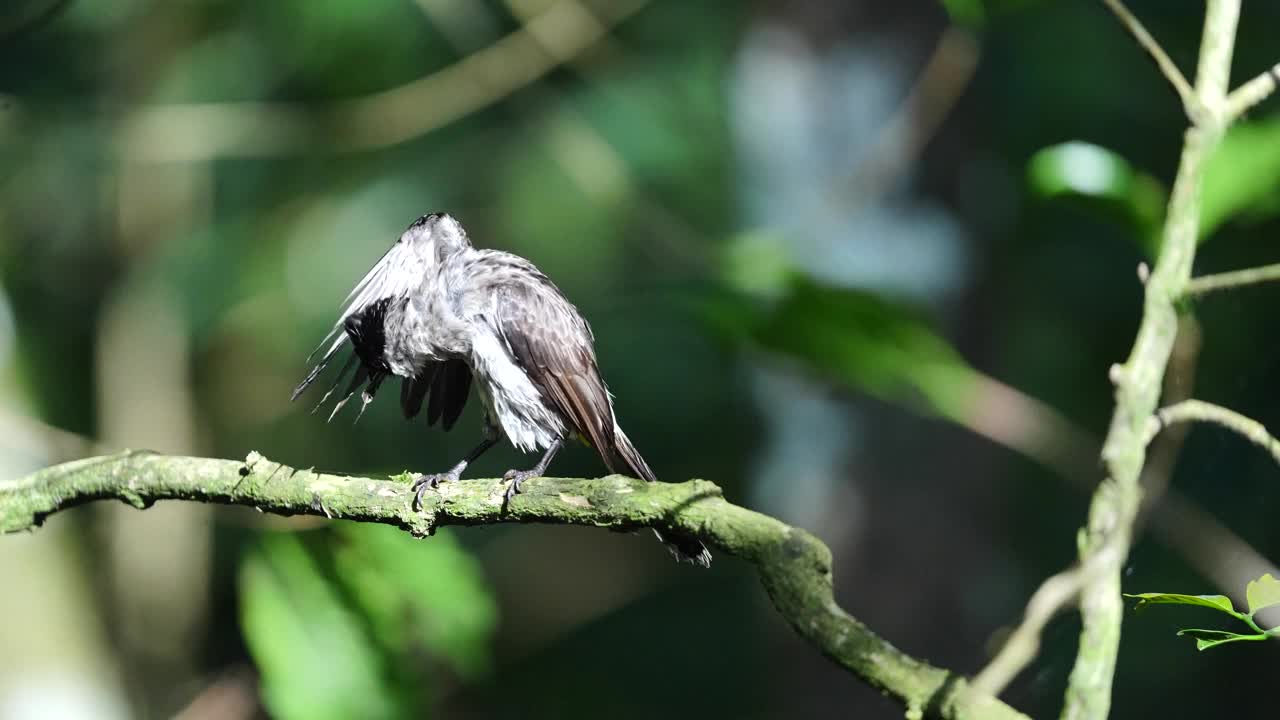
[(863, 264)]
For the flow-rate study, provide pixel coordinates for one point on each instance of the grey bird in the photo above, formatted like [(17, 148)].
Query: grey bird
[(443, 315)]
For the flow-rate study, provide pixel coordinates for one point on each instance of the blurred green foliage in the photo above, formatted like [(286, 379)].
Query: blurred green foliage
[(315, 659), (1243, 177), (973, 13), (1106, 181), (340, 622), (1241, 181), (861, 340)]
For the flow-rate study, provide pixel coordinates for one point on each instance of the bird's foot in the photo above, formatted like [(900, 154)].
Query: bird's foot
[(423, 483), (515, 477)]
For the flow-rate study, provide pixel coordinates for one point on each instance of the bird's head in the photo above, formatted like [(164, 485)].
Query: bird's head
[(437, 234)]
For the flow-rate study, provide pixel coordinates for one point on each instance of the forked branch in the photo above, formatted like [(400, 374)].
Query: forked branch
[(1170, 70), (1107, 536)]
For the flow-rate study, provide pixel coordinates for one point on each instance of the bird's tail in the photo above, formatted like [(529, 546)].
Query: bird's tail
[(684, 548)]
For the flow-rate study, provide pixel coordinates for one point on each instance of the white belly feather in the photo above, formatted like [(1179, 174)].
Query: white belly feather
[(510, 397)]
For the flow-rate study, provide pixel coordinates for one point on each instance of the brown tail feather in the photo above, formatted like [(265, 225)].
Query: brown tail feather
[(684, 548), (631, 461)]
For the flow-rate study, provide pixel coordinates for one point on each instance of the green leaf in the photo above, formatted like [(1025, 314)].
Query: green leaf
[(882, 347), (756, 263), (1206, 639), (1262, 593), (1243, 175), (965, 12), (1103, 178), (314, 659), (345, 622), (974, 13), (418, 595), (1221, 603)]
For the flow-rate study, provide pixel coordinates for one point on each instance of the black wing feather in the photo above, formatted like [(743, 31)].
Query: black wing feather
[(457, 390), (362, 374), (449, 390), (320, 366), (346, 368), (414, 390)]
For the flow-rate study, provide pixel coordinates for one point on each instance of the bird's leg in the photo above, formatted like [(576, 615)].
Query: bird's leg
[(515, 477), (422, 483)]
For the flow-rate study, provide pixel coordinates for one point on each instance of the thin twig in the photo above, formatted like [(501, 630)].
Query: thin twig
[(794, 566), (1200, 411), (200, 131), (26, 25), (1023, 644), (1171, 72), (588, 157), (1229, 280), (594, 163), (934, 94), (1055, 594), (1252, 92), (1217, 553)]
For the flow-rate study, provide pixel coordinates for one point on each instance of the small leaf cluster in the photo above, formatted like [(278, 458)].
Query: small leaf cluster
[(1261, 593)]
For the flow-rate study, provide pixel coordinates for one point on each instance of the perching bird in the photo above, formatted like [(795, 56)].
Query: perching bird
[(441, 314)]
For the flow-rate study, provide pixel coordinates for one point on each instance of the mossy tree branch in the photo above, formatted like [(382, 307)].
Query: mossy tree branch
[(794, 566)]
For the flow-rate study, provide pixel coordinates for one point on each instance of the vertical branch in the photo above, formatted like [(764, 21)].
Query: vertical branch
[(1217, 43), (1115, 504)]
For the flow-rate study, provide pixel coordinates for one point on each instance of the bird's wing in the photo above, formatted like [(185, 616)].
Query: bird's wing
[(449, 390), (552, 344), (392, 279), (414, 390)]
